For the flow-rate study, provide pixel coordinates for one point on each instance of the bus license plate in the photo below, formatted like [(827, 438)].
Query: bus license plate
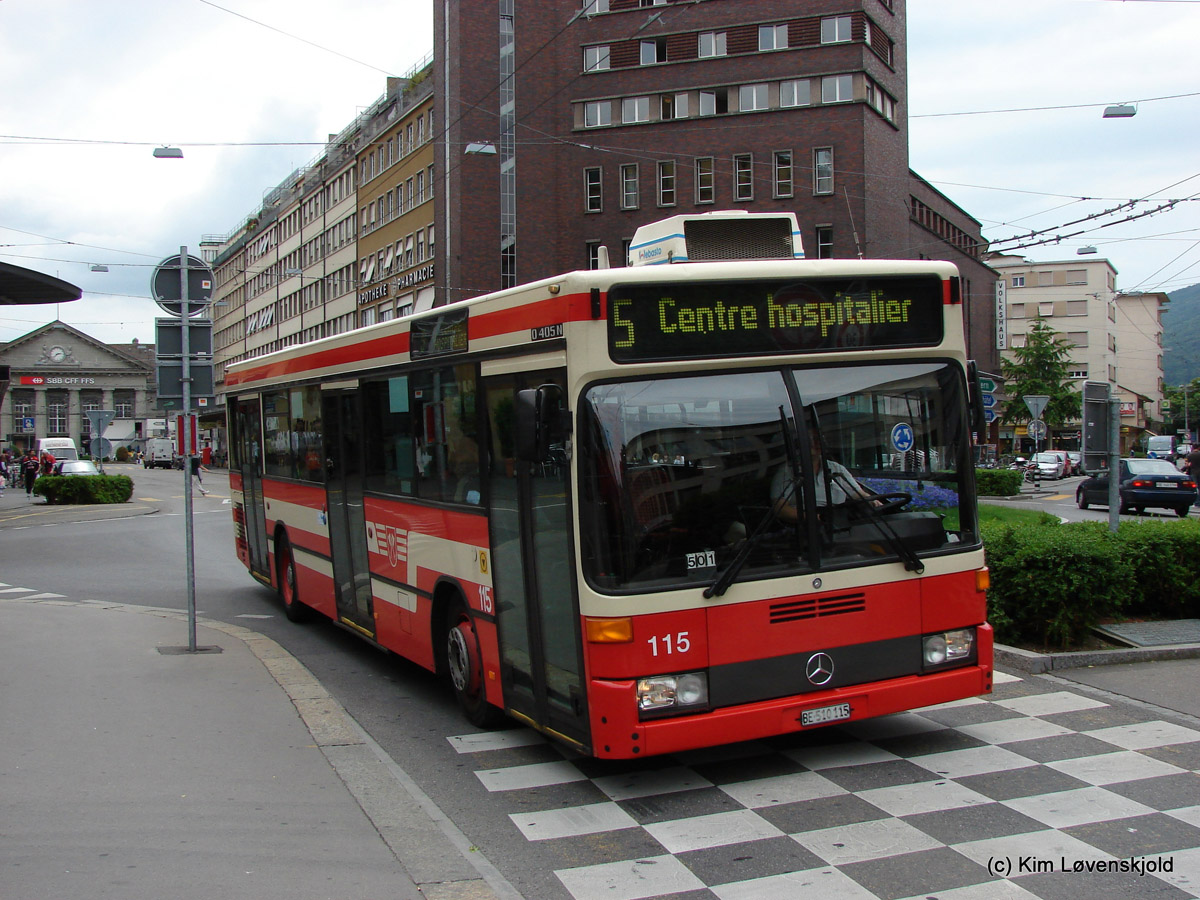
[(823, 714)]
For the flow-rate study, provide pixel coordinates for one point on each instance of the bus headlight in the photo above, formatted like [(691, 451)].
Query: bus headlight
[(662, 693), (947, 647)]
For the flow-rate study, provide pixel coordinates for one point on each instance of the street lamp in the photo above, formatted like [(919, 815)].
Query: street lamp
[(1120, 111), (168, 153)]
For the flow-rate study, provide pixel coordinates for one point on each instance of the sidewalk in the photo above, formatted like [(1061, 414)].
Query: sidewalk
[(133, 769)]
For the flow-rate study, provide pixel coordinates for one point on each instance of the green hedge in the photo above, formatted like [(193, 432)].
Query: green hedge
[(997, 482), (84, 488), (1050, 584)]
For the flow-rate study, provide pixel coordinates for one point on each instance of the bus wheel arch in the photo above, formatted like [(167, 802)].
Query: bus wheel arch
[(461, 658), (285, 578)]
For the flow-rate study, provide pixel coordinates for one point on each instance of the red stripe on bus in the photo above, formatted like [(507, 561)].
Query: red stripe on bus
[(552, 311), (347, 355)]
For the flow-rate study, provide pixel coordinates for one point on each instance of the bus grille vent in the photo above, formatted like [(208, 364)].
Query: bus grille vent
[(814, 608), (728, 239)]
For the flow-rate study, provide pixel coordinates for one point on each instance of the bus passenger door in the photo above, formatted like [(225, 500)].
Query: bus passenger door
[(248, 423), (537, 609), (341, 419)]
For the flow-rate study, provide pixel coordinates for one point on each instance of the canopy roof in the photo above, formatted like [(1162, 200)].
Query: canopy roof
[(20, 286)]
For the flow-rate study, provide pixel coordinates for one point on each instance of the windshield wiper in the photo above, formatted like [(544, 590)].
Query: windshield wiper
[(722, 582)]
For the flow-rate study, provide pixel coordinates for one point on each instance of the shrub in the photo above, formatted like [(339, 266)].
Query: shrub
[(997, 482), (63, 489), (1051, 584), (122, 454), (1165, 558)]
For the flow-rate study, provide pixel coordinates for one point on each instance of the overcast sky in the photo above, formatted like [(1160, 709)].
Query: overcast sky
[(251, 89)]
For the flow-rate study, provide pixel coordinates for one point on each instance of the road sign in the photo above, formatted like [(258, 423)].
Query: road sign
[(100, 419), (1036, 404), (987, 385), (989, 416), (989, 400), (101, 447), (27, 423), (1037, 429), (167, 287)]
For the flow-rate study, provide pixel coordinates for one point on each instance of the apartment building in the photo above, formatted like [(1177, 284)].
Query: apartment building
[(538, 133), (345, 241), (1115, 338)]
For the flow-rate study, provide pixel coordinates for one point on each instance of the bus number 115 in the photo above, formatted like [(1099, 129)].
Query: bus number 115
[(679, 644)]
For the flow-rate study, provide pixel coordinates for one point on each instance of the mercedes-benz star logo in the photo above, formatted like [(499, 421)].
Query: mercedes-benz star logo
[(819, 668)]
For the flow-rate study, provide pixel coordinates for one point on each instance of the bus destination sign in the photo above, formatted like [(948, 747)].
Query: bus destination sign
[(710, 319)]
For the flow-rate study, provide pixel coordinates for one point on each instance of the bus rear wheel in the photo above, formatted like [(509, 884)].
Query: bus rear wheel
[(285, 571), (464, 664)]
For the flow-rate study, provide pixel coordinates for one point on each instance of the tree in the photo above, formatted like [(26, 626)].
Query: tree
[(1040, 367)]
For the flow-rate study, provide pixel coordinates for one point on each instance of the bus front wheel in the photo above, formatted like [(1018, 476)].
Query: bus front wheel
[(465, 665)]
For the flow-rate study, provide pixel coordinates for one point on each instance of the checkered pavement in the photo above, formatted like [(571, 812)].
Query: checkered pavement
[(1035, 791)]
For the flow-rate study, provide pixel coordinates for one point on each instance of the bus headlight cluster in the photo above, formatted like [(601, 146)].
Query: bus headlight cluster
[(663, 693), (947, 647)]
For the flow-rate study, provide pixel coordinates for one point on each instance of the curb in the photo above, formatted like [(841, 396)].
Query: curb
[(1040, 663), (408, 821)]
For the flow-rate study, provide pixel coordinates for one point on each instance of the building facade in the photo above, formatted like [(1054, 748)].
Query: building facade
[(630, 111), (538, 133), (1115, 338), (58, 373)]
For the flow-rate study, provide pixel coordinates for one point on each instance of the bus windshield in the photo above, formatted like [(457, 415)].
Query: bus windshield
[(782, 470)]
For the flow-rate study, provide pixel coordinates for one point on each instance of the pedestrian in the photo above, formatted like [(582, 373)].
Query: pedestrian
[(197, 468), (30, 467), (1193, 468), (4, 463), (48, 462)]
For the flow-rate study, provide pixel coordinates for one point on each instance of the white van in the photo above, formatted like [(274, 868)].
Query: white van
[(1160, 446), (159, 453), (59, 448)]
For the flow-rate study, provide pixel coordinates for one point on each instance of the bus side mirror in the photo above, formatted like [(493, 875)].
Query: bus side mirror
[(539, 421)]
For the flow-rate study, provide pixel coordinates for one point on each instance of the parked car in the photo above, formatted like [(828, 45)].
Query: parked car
[(1049, 464), (77, 467), (1076, 459), (1143, 484), (1067, 468)]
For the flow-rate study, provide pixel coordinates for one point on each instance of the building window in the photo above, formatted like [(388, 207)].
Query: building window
[(772, 37), (1046, 310), (711, 43), (713, 103), (837, 88), (594, 200), (881, 101), (635, 109), (1045, 279), (705, 184), (824, 242), (666, 183), (1018, 281), (783, 173), (57, 416), (593, 254), (1077, 276), (597, 113), (823, 170), (591, 7), (595, 59), (752, 97), (1016, 310), (795, 92), (743, 176), (1078, 338), (1081, 373), (629, 186), (654, 51), (835, 30), (674, 106), (123, 409)]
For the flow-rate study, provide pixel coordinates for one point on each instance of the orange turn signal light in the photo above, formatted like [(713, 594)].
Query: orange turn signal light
[(983, 579), (609, 631)]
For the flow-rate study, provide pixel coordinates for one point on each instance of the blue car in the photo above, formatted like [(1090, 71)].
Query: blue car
[(1144, 484)]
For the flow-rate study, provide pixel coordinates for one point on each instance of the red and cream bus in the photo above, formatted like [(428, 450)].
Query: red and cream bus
[(640, 509)]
